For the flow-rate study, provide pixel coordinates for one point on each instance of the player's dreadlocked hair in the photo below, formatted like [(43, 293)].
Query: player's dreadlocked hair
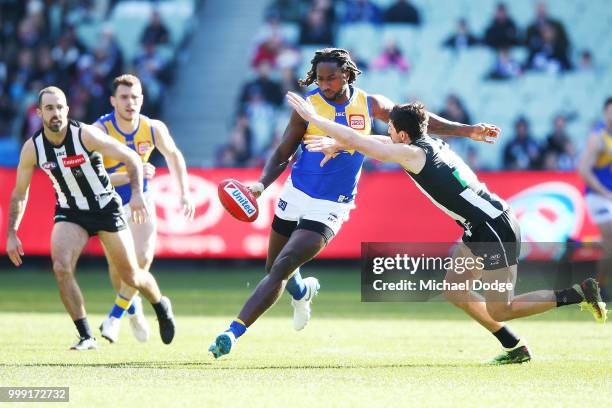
[(337, 55)]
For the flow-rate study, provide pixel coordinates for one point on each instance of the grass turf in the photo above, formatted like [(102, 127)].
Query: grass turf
[(351, 354)]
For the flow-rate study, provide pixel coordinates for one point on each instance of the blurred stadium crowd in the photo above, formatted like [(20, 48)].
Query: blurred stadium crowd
[(80, 46), (538, 70), (522, 68)]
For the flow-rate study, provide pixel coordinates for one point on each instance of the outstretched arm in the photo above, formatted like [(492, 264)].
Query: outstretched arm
[(381, 107), (407, 156), (19, 200)]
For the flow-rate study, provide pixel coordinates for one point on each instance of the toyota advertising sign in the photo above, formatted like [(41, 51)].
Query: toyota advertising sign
[(390, 208)]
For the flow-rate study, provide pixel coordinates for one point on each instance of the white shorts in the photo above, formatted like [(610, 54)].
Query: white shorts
[(295, 205), (149, 202), (599, 207)]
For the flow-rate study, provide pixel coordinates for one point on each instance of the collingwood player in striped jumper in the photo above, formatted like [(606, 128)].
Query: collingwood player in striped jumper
[(70, 153), (491, 231)]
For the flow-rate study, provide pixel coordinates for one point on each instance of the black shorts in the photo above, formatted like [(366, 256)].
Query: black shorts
[(93, 221), (497, 241)]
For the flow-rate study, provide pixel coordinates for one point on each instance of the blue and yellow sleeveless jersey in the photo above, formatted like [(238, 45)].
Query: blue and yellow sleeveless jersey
[(337, 179), (142, 141), (603, 166)]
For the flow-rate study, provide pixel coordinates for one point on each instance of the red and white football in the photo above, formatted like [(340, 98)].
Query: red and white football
[(238, 200)]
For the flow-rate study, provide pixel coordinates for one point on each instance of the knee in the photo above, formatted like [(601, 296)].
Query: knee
[(283, 266), (456, 299), (144, 259), (62, 270), (499, 314)]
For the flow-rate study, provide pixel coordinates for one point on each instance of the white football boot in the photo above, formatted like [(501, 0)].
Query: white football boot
[(138, 323), (85, 344), (301, 308), (110, 329)]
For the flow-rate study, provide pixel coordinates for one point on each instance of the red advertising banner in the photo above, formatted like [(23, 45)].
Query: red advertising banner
[(390, 208)]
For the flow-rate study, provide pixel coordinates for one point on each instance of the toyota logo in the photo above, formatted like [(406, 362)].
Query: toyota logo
[(170, 219)]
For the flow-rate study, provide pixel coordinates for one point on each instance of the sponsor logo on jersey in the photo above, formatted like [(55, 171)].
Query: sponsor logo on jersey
[(340, 114), (49, 165), (143, 147), (357, 122), (239, 197), (282, 204), (73, 161)]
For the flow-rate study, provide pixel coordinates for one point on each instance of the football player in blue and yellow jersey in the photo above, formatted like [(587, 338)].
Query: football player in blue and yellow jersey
[(596, 170), (317, 200), (127, 125)]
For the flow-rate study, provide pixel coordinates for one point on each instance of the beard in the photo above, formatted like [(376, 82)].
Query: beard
[(54, 125)]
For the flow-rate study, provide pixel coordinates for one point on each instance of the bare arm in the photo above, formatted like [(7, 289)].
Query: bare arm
[(586, 163), (95, 140), (381, 107), (176, 163), (278, 162), (19, 200)]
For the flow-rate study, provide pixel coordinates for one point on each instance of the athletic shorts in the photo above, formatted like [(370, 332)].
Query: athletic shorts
[(600, 208), (93, 221), (295, 205), (150, 207), (497, 241)]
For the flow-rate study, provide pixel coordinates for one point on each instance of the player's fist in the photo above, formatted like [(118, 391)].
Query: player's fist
[(148, 171), (484, 132), (256, 189)]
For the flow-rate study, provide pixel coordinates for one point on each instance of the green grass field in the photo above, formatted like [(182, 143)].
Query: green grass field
[(351, 354)]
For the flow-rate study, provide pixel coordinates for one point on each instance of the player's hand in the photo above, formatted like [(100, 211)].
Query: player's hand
[(301, 106), (148, 171), (139, 210), (256, 189), (14, 249), (484, 132), (188, 207), (326, 145)]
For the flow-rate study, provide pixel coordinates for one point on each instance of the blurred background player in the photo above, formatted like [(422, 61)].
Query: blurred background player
[(491, 230), (595, 168), (126, 125), (316, 200), (70, 154)]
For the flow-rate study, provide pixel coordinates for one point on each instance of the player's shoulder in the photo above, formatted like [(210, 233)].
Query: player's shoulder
[(157, 125), (28, 150), (312, 92), (105, 118)]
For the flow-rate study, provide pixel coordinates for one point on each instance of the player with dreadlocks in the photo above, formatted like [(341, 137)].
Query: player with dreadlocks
[(316, 200)]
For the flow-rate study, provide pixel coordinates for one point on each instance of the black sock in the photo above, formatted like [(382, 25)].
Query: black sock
[(506, 337), (83, 327), (569, 296), (160, 309)]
